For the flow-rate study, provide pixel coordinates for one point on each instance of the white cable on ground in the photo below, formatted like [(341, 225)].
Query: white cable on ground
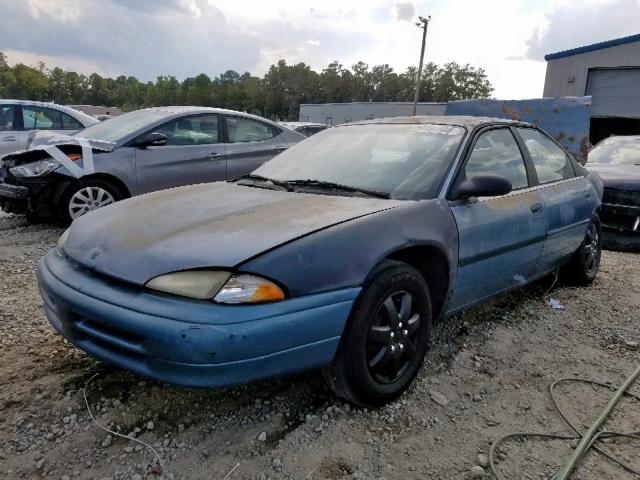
[(231, 471), (145, 444)]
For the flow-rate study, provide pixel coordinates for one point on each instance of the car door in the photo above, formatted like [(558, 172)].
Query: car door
[(500, 238), (568, 198), (193, 154), (250, 143), (9, 141)]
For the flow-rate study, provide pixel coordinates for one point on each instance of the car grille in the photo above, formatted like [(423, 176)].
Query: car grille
[(621, 197)]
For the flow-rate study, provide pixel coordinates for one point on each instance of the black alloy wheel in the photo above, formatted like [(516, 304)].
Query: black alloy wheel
[(583, 266), (391, 342), (386, 338), (590, 248)]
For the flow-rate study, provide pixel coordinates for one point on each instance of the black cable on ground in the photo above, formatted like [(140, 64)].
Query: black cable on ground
[(577, 436)]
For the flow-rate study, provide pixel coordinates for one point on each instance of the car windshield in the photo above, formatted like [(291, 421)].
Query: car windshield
[(401, 160), (616, 150), (116, 128)]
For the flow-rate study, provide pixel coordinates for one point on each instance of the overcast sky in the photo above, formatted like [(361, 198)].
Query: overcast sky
[(147, 38)]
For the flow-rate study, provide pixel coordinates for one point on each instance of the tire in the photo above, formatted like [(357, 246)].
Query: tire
[(87, 195), (583, 266), (384, 344)]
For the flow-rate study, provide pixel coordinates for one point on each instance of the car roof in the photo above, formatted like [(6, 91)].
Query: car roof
[(77, 114), (621, 138), (176, 110), (457, 120), (302, 124)]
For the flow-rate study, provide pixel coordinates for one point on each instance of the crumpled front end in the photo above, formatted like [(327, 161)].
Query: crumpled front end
[(32, 180)]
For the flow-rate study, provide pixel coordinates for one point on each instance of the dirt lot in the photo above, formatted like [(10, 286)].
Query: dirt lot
[(487, 375)]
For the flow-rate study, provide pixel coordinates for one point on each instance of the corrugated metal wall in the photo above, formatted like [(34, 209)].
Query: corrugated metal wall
[(615, 92)]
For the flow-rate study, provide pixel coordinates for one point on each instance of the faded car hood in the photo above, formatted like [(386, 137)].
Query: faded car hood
[(207, 225), (41, 138), (618, 176)]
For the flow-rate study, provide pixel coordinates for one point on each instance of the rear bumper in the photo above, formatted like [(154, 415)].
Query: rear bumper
[(191, 343)]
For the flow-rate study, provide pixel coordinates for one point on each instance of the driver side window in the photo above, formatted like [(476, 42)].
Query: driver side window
[(196, 130), (496, 152)]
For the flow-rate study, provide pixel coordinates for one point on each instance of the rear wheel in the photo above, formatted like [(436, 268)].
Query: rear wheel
[(86, 196), (386, 339), (583, 266)]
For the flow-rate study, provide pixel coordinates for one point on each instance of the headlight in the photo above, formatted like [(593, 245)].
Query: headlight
[(199, 284), (63, 238), (35, 169), (249, 289), (220, 286)]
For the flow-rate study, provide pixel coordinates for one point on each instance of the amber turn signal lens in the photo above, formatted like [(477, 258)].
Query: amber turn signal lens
[(244, 288), (267, 292)]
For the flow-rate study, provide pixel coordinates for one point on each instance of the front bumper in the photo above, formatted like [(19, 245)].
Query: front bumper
[(189, 342), (14, 192), (621, 210), (623, 218)]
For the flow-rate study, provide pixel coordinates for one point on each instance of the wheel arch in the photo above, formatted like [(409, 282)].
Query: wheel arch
[(98, 176), (433, 264)]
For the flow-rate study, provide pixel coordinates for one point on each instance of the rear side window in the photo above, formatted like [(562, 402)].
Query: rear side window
[(242, 129), (41, 118), (6, 117), (196, 130), (552, 162), (496, 152), (70, 123)]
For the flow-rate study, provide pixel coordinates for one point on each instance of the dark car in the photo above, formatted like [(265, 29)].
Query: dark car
[(338, 254), (617, 161), (136, 153), (305, 128)]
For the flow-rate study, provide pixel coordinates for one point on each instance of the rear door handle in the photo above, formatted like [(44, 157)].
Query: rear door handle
[(9, 139), (281, 147), (215, 155), (537, 208)]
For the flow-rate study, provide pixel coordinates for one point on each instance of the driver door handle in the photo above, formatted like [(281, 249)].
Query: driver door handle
[(281, 147), (10, 138), (215, 155)]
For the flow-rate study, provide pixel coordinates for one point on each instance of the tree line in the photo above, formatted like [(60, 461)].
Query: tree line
[(278, 94)]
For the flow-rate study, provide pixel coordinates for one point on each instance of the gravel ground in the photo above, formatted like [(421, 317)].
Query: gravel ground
[(486, 376)]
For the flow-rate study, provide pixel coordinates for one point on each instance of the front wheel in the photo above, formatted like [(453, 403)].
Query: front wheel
[(583, 266), (386, 338), (85, 196)]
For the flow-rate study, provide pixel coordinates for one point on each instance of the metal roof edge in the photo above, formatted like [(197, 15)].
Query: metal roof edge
[(593, 47)]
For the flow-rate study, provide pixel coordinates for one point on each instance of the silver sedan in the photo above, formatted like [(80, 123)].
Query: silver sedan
[(136, 153)]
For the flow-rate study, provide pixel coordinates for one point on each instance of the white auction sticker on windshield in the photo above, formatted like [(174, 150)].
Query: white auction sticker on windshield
[(432, 128)]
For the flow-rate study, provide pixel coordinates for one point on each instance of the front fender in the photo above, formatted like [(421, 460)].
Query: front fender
[(343, 255)]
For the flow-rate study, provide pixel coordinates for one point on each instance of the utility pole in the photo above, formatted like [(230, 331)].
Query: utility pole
[(423, 24)]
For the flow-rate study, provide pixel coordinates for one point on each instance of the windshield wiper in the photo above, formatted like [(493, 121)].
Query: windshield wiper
[(337, 186), (260, 178)]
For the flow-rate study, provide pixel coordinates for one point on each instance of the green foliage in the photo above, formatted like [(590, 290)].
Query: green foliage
[(277, 95)]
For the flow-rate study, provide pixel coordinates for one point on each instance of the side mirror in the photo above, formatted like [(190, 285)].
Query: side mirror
[(151, 140), (484, 185)]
